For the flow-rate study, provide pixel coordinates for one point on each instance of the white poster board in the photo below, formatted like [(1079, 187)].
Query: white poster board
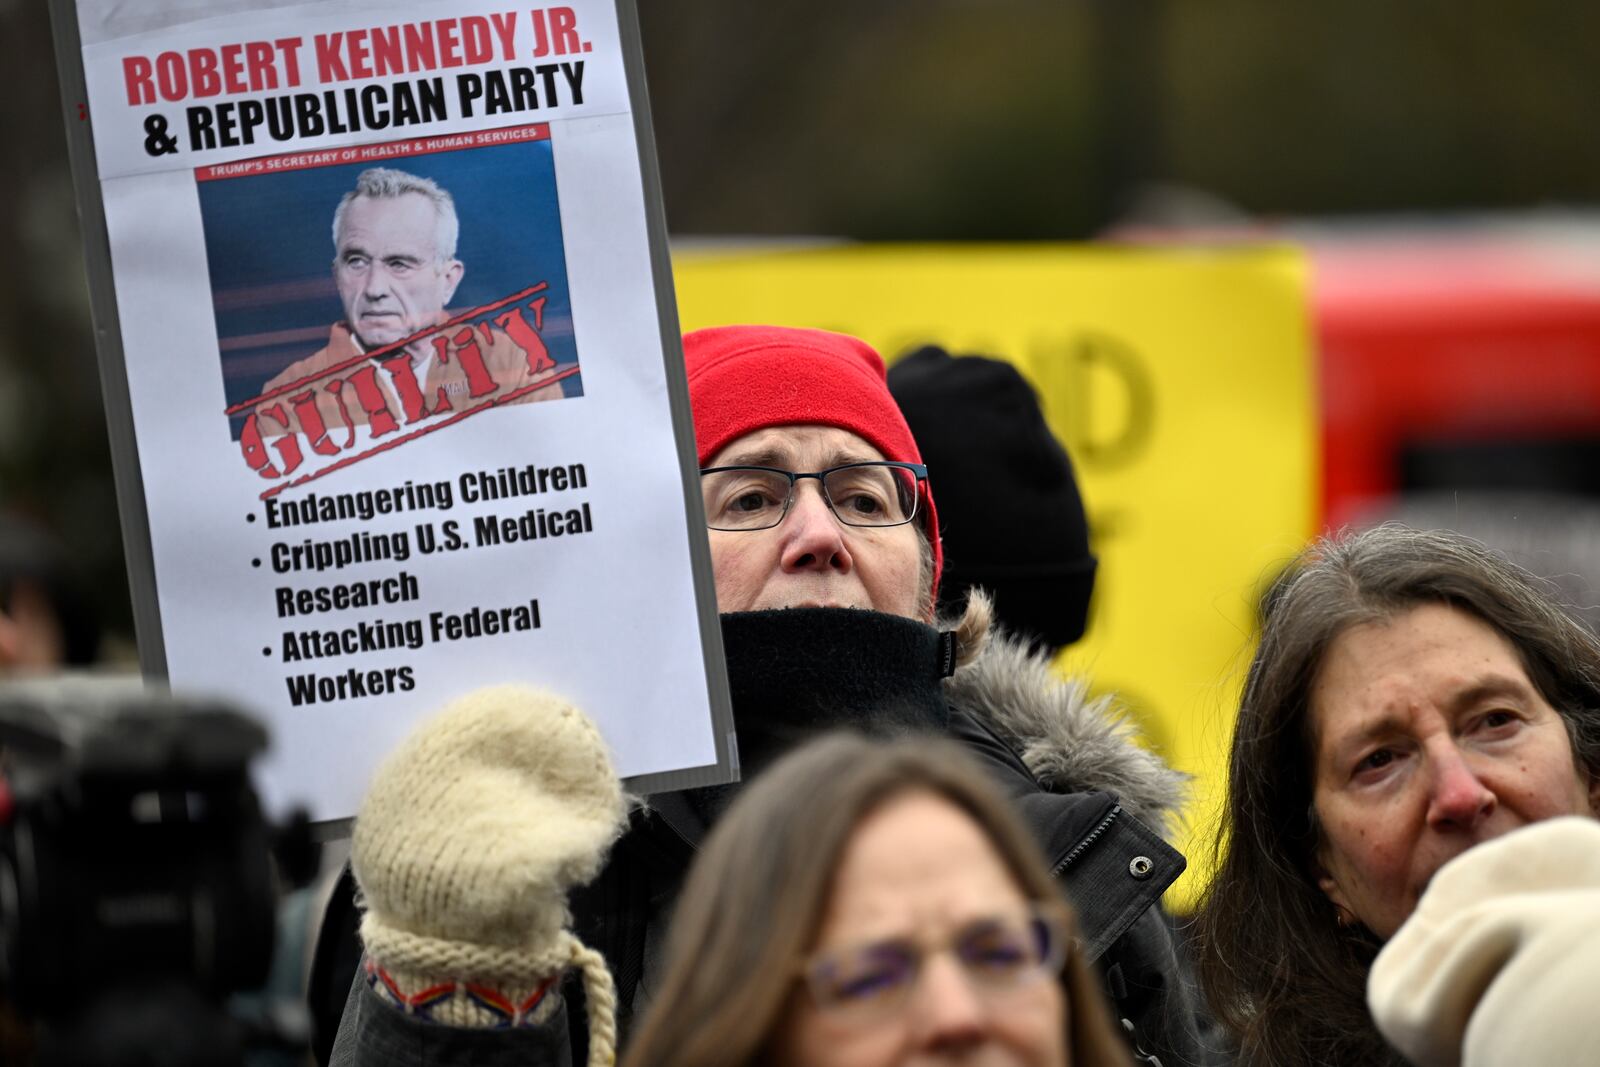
[(361, 471)]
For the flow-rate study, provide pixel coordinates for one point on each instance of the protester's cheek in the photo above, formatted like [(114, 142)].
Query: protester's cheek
[(890, 568), (1052, 1027), (808, 1038), (1371, 856), (1547, 781), (734, 568), (1032, 1024), (883, 1045)]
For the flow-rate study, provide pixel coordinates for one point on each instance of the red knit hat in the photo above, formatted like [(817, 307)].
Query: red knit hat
[(747, 378)]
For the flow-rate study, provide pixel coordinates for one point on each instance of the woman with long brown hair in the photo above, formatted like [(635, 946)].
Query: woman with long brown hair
[(865, 903), (1412, 695)]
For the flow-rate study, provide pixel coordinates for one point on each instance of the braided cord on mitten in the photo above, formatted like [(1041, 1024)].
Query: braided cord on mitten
[(601, 991)]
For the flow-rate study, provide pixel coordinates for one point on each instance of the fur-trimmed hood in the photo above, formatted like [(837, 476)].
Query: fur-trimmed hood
[(1070, 742)]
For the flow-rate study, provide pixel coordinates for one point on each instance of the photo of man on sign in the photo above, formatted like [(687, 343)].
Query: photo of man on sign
[(447, 251), (396, 269), (447, 293)]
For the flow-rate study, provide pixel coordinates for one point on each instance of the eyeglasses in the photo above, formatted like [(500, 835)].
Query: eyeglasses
[(996, 953), (859, 494)]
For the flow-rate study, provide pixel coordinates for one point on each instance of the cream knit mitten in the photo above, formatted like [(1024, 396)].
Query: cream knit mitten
[(467, 843), (1500, 963)]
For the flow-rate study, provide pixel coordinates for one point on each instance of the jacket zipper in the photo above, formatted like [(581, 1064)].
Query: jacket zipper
[(1094, 835), (1139, 1054)]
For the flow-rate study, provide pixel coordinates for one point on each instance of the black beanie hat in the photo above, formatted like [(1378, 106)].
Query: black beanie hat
[(1009, 509)]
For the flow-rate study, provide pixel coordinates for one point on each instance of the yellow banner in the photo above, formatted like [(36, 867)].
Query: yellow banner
[(1181, 382)]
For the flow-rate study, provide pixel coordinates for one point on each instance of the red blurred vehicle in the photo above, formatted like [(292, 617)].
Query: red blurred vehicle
[(1460, 358)]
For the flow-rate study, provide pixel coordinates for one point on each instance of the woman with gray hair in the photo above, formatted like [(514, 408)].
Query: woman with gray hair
[(1412, 695)]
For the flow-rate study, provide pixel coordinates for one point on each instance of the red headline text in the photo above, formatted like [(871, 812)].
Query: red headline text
[(348, 55)]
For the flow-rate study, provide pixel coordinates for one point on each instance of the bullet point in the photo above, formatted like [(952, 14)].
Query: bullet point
[(255, 563), (266, 651), (250, 518)]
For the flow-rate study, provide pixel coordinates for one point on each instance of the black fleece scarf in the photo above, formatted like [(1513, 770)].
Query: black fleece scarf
[(799, 672)]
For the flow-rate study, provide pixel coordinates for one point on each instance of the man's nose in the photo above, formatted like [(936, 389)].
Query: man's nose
[(378, 282), (948, 1014), (813, 537), (1459, 799)]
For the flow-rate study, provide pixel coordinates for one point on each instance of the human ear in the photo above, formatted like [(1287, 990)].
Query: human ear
[(1335, 893), (452, 278)]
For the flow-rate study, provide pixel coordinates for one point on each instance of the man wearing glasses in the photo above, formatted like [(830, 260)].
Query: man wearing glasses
[(825, 548)]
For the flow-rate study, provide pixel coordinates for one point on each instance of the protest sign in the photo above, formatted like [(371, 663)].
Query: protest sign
[(393, 372), (1181, 382)]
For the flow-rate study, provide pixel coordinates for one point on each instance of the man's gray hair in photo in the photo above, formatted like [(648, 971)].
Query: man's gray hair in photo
[(388, 183)]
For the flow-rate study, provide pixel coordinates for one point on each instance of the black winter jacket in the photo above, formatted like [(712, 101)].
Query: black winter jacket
[(1089, 795)]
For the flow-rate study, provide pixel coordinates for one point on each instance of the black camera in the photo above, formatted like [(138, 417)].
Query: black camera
[(136, 880)]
